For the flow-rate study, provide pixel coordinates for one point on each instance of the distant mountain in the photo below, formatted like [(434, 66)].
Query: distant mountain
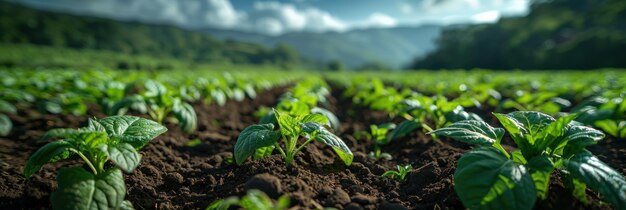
[(394, 47)]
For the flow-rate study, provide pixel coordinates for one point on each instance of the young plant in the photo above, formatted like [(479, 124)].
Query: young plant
[(378, 134), (488, 177), (400, 174), (5, 122), (158, 102), (114, 138), (253, 200), (261, 139)]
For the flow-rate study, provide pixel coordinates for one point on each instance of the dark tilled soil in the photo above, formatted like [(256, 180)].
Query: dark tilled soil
[(175, 176)]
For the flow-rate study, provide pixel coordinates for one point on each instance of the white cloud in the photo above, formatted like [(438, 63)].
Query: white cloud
[(265, 17), (486, 17), (286, 17), (379, 20)]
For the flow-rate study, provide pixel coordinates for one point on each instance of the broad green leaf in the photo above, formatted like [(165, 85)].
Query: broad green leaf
[(88, 140), (552, 135), (288, 124), (94, 125), (133, 130), (123, 155), (530, 119), (540, 168), (311, 127), (256, 199), (472, 131), (126, 205), (81, 190), (186, 116), (6, 107), (263, 152), (580, 137), (403, 129), (253, 138), (609, 126), (336, 143), (486, 179), (599, 177), (332, 119), (317, 118), (518, 157), (60, 133), (5, 125), (52, 151)]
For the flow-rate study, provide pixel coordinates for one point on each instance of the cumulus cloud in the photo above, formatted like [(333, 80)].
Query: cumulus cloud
[(276, 18), (265, 17), (454, 11), (379, 20)]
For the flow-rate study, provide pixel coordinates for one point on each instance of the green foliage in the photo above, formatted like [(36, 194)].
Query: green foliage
[(159, 102), (487, 177), (556, 34), (90, 33), (114, 138), (400, 173), (292, 127), (253, 200)]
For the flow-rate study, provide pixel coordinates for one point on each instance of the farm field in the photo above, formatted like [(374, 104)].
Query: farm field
[(542, 140)]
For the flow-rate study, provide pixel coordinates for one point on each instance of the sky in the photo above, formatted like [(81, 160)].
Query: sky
[(275, 17)]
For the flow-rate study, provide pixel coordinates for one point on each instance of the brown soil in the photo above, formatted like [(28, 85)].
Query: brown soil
[(175, 176)]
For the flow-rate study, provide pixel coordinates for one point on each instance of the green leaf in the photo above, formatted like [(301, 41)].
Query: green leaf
[(126, 205), (60, 133), (336, 143), (486, 179), (599, 177), (317, 118), (88, 140), (580, 137), (288, 125), (123, 155), (52, 151), (540, 168), (609, 126), (263, 152), (7, 107), (256, 199), (472, 131), (403, 129), (186, 116), (133, 130), (5, 125), (253, 138), (80, 190), (332, 119), (94, 125)]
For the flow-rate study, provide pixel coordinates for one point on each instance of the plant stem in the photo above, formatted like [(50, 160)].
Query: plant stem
[(86, 160)]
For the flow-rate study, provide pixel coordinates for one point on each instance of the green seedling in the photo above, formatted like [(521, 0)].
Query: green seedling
[(489, 177), (400, 174), (158, 102), (253, 200), (116, 138), (5, 122), (378, 134), (259, 140)]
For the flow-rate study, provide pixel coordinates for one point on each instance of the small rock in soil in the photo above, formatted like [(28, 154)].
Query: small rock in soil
[(173, 179), (363, 199), (334, 197), (353, 206), (265, 182)]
